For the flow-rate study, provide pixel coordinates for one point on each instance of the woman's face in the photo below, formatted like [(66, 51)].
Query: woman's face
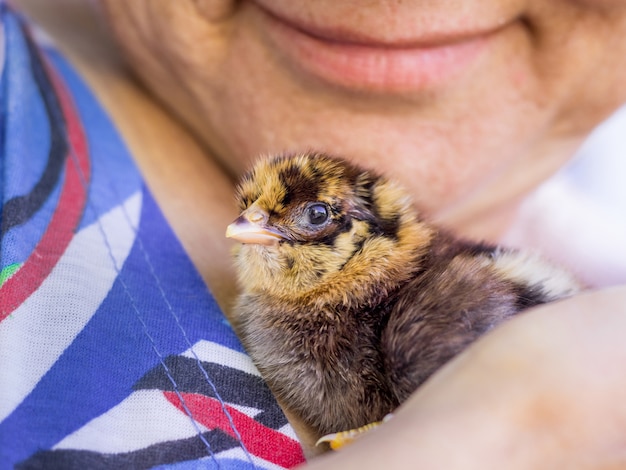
[(451, 97)]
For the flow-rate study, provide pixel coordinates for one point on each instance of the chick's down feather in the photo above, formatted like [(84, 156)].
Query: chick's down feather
[(349, 299)]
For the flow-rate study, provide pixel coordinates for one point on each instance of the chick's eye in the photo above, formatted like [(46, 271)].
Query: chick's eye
[(317, 214)]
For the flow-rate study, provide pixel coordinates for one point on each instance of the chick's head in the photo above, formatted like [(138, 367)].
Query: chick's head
[(316, 228)]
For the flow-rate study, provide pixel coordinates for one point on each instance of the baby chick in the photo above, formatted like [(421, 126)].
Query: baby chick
[(350, 299)]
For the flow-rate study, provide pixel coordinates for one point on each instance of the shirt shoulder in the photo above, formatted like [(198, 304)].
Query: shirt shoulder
[(115, 351)]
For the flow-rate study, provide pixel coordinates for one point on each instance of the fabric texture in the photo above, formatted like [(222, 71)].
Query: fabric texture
[(577, 218), (113, 354)]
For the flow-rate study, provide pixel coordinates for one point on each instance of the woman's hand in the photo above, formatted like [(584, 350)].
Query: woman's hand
[(543, 391)]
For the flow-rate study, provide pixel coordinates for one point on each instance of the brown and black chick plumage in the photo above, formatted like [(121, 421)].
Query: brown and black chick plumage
[(350, 300)]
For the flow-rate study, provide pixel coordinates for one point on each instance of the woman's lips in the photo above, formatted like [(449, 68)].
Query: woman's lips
[(359, 62)]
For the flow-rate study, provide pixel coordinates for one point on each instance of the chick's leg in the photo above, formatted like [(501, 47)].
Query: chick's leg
[(340, 439)]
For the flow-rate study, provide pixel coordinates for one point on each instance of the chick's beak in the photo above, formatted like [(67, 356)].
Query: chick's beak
[(251, 227)]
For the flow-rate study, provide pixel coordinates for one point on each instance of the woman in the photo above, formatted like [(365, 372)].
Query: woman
[(471, 104)]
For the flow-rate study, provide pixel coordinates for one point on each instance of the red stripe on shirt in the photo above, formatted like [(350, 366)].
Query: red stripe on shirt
[(259, 440), (67, 213)]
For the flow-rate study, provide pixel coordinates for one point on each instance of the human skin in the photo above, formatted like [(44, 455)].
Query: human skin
[(470, 145), (521, 398), (470, 142)]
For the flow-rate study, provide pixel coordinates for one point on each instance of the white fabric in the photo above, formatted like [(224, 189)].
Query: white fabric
[(578, 217), (71, 295)]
